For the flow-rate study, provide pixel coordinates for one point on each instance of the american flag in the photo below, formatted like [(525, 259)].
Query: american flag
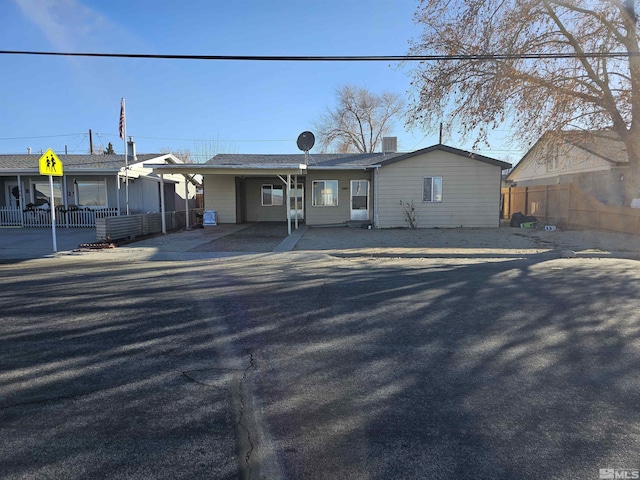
[(123, 123)]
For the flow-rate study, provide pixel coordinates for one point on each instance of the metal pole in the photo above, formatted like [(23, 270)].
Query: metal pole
[(186, 200), (295, 197), (164, 221), (289, 203), (53, 214), (118, 189), (126, 176), (126, 158)]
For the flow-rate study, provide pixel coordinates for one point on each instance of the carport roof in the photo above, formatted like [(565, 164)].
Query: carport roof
[(315, 160), (278, 164)]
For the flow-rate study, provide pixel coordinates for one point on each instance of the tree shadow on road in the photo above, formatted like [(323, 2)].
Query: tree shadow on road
[(361, 367)]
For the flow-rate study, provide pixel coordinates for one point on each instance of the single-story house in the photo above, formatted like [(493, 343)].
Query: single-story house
[(445, 186), (594, 161), (90, 184)]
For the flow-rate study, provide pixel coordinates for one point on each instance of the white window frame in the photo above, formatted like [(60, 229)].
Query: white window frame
[(433, 198), (324, 195), (272, 187)]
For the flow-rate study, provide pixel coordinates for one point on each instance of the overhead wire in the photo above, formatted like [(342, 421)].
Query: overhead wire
[(317, 58), (336, 58)]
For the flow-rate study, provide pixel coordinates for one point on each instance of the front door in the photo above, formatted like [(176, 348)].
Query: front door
[(297, 202), (11, 194), (359, 199)]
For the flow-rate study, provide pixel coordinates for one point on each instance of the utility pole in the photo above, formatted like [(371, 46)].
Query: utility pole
[(90, 143)]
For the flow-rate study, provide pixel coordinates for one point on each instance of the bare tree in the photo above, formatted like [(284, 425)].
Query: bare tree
[(358, 121), (202, 150), (182, 154), (595, 86)]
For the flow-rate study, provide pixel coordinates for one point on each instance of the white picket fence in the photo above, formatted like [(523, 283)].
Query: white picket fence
[(39, 217)]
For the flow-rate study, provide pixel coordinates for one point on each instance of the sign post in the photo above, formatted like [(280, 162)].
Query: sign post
[(51, 165)]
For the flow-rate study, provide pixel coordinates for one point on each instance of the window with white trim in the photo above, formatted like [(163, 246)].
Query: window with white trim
[(432, 189), (325, 193), (272, 195), (91, 193)]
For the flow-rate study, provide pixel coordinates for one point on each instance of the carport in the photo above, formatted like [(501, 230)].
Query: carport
[(223, 182)]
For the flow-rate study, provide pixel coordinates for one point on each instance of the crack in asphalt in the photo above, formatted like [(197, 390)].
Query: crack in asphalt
[(242, 421)]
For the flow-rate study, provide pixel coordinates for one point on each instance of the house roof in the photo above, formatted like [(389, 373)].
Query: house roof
[(455, 151), (343, 160), (278, 164), (26, 162), (605, 144)]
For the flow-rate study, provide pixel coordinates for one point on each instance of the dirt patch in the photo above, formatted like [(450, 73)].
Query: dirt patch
[(466, 239), (259, 238)]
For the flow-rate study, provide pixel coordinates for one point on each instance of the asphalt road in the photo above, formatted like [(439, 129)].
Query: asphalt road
[(303, 365)]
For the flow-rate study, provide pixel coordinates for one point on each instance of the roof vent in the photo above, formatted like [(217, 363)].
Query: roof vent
[(28, 150), (389, 144)]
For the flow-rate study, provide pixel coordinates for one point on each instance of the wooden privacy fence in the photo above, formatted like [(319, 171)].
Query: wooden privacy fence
[(567, 205)]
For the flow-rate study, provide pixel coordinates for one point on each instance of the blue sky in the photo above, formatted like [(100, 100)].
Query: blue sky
[(207, 107)]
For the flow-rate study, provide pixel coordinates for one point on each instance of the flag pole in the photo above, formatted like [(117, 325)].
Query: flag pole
[(123, 136)]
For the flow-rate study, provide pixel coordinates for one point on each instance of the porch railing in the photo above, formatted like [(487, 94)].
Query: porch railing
[(10, 217), (39, 217)]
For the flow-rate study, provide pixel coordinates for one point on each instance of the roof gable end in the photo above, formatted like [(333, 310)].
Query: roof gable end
[(445, 148)]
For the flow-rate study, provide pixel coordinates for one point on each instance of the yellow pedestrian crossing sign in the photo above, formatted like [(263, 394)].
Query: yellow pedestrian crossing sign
[(50, 164)]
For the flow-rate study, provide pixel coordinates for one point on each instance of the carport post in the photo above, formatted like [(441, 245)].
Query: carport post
[(295, 197), (289, 203), (186, 200), (164, 221)]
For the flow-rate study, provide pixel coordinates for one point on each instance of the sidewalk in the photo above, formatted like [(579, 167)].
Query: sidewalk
[(229, 240), (17, 243)]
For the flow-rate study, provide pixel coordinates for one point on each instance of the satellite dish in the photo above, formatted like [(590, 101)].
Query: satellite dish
[(306, 140)]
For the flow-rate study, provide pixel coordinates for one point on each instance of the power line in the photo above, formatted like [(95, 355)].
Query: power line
[(337, 58), (213, 140), (42, 136)]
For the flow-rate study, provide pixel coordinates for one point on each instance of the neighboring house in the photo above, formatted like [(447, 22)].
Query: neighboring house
[(91, 183), (594, 161), (448, 187)]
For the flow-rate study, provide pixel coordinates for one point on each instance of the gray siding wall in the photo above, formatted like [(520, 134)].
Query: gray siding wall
[(220, 195), (470, 191), (255, 211), (341, 213)]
